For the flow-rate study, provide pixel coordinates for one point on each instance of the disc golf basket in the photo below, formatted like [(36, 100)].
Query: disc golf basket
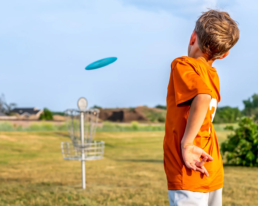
[(82, 125)]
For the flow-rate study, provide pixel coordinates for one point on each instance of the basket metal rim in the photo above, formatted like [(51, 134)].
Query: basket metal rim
[(92, 144), (91, 158)]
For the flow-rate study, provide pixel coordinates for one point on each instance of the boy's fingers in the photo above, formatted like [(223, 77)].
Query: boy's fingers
[(205, 171), (201, 163), (187, 165), (190, 166), (205, 159), (200, 169), (204, 154)]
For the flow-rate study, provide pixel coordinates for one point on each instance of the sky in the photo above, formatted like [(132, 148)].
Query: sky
[(45, 46)]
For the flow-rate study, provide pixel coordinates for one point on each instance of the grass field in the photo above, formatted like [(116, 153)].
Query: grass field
[(32, 172)]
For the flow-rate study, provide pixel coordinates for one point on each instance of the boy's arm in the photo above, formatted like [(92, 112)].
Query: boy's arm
[(191, 153)]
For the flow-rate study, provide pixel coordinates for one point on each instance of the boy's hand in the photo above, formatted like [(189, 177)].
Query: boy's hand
[(191, 156)]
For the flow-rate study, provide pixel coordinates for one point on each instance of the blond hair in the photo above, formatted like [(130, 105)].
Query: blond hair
[(217, 33)]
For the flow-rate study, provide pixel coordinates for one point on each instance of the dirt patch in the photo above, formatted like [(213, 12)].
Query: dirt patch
[(141, 113)]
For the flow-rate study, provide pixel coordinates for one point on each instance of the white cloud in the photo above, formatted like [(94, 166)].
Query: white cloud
[(184, 9), (177, 7)]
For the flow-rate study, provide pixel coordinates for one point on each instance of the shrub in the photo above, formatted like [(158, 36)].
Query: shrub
[(46, 115), (131, 109), (155, 116), (135, 125), (34, 127), (161, 119), (241, 147), (6, 126)]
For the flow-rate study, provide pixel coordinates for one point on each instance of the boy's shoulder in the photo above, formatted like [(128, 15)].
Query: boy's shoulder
[(185, 60)]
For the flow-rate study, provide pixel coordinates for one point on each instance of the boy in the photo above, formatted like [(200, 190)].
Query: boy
[(193, 94)]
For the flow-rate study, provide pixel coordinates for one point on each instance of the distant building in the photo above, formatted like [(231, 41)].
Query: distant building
[(33, 113)]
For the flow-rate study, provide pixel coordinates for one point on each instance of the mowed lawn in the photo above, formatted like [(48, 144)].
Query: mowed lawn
[(32, 172)]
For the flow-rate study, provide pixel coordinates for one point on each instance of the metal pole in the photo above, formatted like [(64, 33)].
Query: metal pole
[(83, 156)]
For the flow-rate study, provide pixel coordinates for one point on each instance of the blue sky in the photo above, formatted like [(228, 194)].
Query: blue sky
[(46, 44)]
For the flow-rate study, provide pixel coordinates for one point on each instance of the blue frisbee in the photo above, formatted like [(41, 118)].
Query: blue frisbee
[(101, 63)]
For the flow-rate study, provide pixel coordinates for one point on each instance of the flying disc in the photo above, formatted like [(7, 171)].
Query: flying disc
[(101, 63)]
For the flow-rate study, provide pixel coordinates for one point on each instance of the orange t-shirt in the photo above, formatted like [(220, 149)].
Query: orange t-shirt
[(188, 78)]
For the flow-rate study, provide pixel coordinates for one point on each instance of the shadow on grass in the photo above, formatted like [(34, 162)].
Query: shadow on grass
[(110, 145), (10, 179), (54, 183), (62, 134), (139, 160)]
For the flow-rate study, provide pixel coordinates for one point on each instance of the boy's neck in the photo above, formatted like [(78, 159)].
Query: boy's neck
[(205, 60), (198, 54)]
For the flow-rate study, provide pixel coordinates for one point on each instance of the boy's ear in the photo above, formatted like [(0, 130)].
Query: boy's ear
[(193, 38), (224, 55)]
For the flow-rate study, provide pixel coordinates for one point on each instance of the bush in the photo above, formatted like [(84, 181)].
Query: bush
[(6, 126), (241, 147), (155, 116), (135, 125), (161, 119), (46, 115), (131, 109)]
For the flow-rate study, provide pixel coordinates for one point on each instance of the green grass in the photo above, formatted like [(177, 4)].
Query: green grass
[(221, 127), (39, 126), (105, 127), (154, 114), (32, 172), (133, 127)]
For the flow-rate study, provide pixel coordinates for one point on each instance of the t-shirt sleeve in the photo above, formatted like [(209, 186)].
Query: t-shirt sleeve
[(187, 83)]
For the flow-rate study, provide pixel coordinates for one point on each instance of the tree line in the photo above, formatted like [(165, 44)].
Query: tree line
[(225, 114), (233, 114), (229, 114)]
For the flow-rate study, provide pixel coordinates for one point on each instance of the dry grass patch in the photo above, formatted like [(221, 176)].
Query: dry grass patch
[(32, 172)]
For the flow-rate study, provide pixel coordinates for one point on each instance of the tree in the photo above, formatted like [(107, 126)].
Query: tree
[(241, 147), (46, 115), (5, 107), (251, 106), (161, 107), (96, 107), (227, 115)]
